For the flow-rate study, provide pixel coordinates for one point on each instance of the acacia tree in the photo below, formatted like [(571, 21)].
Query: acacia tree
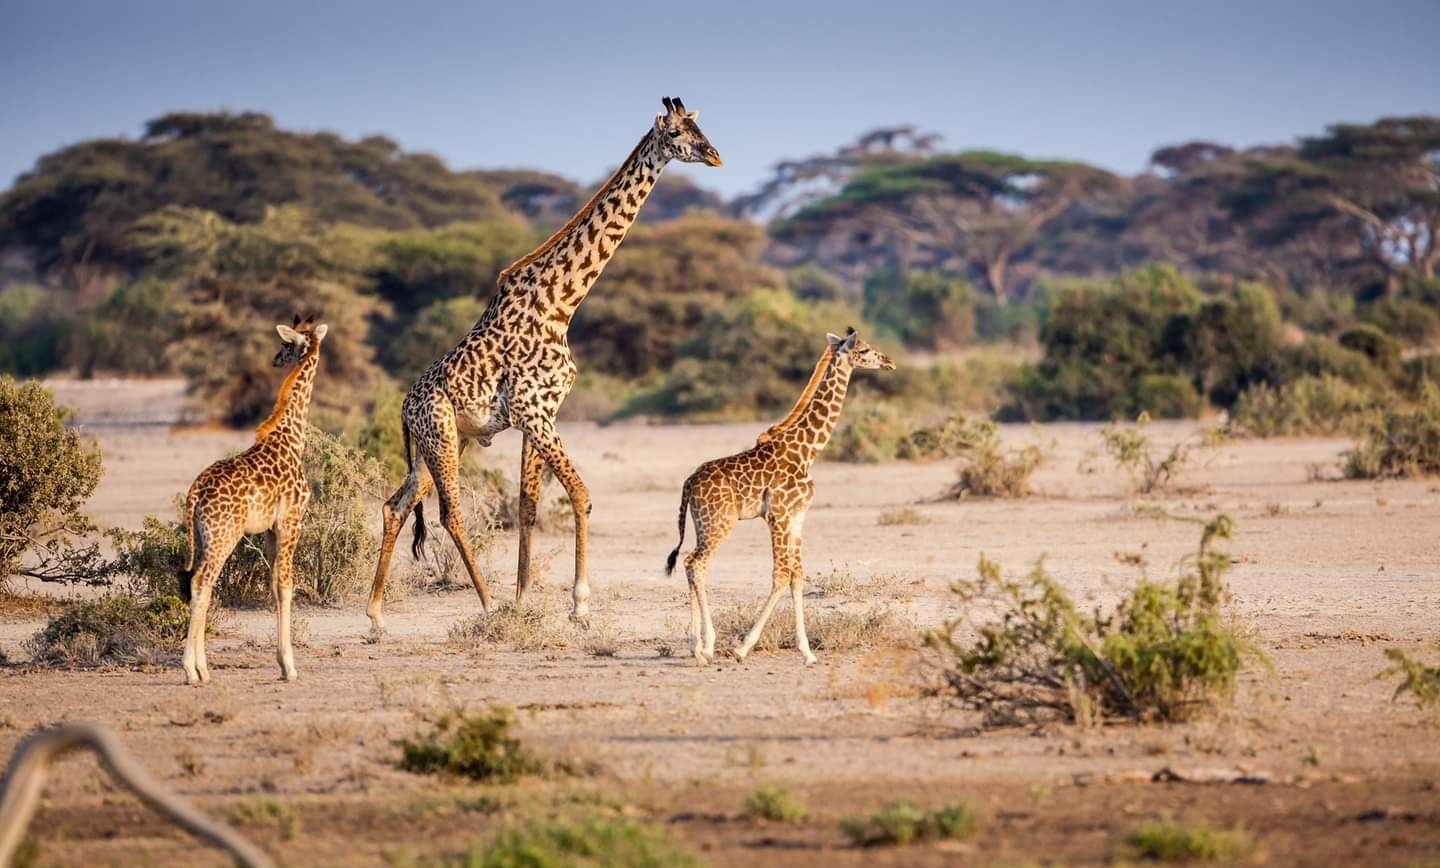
[(234, 281), (980, 210), (1376, 184)]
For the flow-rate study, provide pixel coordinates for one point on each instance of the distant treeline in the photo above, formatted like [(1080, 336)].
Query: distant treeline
[(1215, 271)]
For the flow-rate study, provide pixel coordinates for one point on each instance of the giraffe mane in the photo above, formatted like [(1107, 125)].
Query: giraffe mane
[(804, 399), (560, 233), (282, 402)]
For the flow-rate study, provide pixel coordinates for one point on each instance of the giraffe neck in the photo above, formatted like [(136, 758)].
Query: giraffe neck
[(287, 421), (556, 276), (803, 401), (813, 428)]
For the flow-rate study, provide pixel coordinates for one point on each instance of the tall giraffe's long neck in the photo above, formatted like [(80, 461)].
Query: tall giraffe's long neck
[(558, 274), (814, 427), (292, 407)]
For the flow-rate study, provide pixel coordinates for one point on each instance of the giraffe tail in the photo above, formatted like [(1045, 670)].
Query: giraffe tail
[(419, 540), (195, 556), (684, 502)]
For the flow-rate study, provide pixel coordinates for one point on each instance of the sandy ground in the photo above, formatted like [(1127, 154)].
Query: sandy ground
[(1328, 574)]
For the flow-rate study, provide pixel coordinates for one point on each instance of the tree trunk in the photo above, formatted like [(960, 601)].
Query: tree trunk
[(995, 276)]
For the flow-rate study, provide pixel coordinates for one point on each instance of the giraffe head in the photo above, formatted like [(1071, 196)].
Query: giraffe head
[(679, 137), (295, 339), (855, 353)]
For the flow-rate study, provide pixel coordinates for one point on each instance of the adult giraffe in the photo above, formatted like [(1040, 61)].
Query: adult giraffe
[(514, 368)]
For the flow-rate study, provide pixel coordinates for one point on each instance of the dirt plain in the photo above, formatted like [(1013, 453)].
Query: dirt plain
[(1328, 573)]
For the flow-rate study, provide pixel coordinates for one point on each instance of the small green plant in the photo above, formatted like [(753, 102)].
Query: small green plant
[(1165, 651), (987, 468), (774, 802), (903, 822), (1170, 841), (597, 843), (118, 629), (1397, 441), (1150, 471), (1420, 681), (480, 747)]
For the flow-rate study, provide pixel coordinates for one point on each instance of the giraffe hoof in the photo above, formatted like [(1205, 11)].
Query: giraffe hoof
[(581, 621), (811, 661), (738, 654)]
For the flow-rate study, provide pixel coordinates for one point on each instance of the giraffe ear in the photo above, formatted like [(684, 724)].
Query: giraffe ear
[(287, 334), (849, 342), (835, 340), (320, 330)]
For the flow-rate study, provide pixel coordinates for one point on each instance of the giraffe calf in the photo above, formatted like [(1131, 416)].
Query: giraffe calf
[(771, 480), (261, 489)]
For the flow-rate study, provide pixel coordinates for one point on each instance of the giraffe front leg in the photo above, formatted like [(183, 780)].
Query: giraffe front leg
[(540, 430), (531, 469), (282, 581), (797, 591)]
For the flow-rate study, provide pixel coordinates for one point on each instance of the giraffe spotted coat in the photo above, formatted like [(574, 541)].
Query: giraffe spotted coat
[(771, 480)]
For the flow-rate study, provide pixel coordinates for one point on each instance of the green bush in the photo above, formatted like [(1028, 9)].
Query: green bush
[(775, 803), (1398, 441), (127, 333), (46, 474), (1411, 321), (419, 268), (119, 629), (902, 822), (1382, 350), (430, 334), (1317, 356), (1308, 406), (925, 308), (750, 357), (1167, 396), (1151, 470), (1165, 652), (597, 843), (32, 331), (1418, 371), (1169, 841), (478, 747)]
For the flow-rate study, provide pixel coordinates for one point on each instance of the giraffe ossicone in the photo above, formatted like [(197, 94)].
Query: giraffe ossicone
[(514, 369), (770, 480), (261, 490)]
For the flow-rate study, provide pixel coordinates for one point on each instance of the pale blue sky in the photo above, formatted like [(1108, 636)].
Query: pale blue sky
[(570, 86)]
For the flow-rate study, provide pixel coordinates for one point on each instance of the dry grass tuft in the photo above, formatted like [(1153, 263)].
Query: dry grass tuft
[(828, 629)]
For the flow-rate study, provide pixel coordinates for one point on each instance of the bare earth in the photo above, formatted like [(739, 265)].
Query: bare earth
[(1328, 574)]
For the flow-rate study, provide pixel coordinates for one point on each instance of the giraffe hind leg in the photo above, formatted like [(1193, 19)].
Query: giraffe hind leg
[(444, 464), (397, 509)]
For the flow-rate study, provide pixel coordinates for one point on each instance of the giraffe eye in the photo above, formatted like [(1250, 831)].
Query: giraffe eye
[(675, 134)]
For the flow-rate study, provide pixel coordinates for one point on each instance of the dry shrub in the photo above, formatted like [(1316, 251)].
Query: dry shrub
[(1397, 441), (118, 630), (776, 804), (884, 433), (1150, 470), (1165, 652), (827, 629), (987, 468), (526, 627), (905, 516)]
